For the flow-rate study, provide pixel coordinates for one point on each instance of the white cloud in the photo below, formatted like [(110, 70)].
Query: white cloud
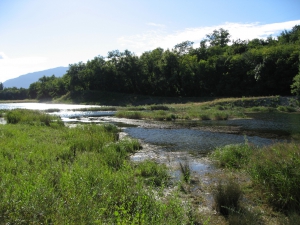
[(156, 25), (14, 67), (3, 56), (160, 38)]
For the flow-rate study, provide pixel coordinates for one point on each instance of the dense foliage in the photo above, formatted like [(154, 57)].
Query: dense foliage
[(218, 67)]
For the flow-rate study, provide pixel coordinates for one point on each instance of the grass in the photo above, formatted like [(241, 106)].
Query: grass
[(185, 171), (81, 175), (170, 109), (286, 109), (233, 156), (33, 117), (274, 170), (227, 197), (154, 173)]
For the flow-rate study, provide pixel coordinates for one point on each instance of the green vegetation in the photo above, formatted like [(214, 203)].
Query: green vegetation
[(274, 172), (227, 197), (32, 117), (218, 109), (233, 156), (186, 171), (58, 175)]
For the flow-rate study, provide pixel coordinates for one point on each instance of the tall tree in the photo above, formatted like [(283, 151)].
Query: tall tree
[(1, 86), (219, 37)]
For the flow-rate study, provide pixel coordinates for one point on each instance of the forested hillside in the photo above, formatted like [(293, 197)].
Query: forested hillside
[(218, 66)]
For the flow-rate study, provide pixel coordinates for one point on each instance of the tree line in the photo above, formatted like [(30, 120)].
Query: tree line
[(218, 67)]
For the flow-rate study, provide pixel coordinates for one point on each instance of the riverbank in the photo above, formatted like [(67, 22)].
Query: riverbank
[(200, 187)]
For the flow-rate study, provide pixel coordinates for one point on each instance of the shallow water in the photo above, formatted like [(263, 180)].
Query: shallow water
[(192, 140)]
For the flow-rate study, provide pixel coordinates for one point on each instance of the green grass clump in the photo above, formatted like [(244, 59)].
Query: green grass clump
[(286, 109), (159, 107), (33, 117), (153, 172), (227, 197), (102, 108), (262, 109), (129, 114), (185, 171), (233, 156), (220, 116), (276, 170), (77, 175)]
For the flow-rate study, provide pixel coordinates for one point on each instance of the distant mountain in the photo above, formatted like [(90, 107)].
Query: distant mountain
[(25, 80)]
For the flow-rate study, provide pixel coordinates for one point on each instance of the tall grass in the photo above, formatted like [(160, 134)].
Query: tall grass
[(277, 170), (274, 170), (233, 156), (227, 197), (33, 117), (77, 175), (153, 172)]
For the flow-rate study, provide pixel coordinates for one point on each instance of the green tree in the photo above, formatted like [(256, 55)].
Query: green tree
[(295, 87), (1, 86), (219, 37), (184, 47)]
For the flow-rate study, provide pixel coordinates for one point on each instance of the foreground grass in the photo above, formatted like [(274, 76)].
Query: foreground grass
[(51, 174), (274, 173)]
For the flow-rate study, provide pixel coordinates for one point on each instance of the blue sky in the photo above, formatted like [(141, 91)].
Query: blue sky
[(43, 34)]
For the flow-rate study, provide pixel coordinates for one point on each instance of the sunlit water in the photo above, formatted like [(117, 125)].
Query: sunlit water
[(65, 111)]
